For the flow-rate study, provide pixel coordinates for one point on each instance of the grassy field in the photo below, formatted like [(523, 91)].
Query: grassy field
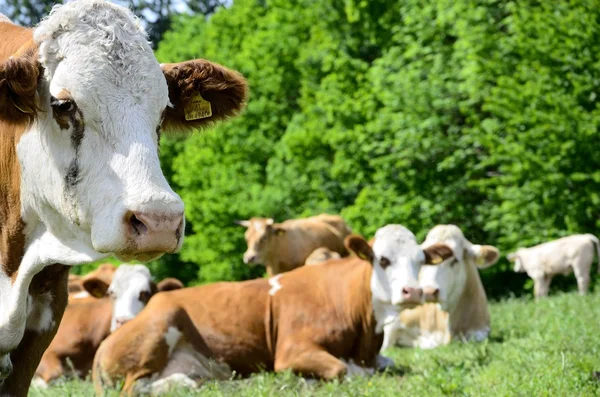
[(549, 348)]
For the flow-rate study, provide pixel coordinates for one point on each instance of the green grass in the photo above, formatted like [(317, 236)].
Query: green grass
[(548, 348)]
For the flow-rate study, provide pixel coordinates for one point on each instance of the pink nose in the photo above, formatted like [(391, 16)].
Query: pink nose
[(155, 231), (412, 295), (121, 321), (431, 294)]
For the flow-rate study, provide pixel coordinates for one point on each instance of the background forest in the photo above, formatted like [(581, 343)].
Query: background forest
[(480, 113)]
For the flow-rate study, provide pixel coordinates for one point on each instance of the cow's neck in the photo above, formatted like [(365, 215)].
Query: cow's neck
[(471, 313)]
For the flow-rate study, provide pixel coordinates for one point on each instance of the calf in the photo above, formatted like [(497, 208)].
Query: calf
[(320, 255), (568, 254), (462, 311), (83, 102), (76, 284), (284, 246), (322, 321), (88, 321)]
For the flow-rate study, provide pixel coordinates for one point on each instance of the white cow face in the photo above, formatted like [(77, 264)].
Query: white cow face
[(89, 160), (446, 282), (396, 258), (130, 290)]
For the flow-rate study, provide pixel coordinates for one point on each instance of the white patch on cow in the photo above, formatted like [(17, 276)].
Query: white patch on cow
[(431, 340), (80, 295), (258, 226), (172, 338), (357, 370), (4, 18), (175, 381), (40, 317), (39, 383), (275, 285), (127, 284)]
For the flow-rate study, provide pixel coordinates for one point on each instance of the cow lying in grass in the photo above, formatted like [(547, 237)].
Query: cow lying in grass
[(88, 321), (462, 312), (321, 321)]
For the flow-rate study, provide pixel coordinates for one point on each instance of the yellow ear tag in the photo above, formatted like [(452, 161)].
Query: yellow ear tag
[(480, 261), (436, 260), (362, 256), (23, 109), (197, 108)]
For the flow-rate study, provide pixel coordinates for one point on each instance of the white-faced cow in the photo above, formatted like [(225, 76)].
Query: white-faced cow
[(88, 321), (284, 246), (82, 104), (568, 254), (322, 321), (462, 311)]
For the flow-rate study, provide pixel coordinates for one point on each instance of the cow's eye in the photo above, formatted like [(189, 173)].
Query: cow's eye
[(454, 262), (384, 262), (144, 296), (63, 105)]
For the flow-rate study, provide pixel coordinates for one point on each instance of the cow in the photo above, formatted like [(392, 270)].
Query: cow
[(320, 321), (568, 254), (457, 304), (76, 285), (88, 321), (320, 255), (83, 102), (284, 246)]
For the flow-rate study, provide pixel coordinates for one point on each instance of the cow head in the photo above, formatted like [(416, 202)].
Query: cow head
[(130, 290), (260, 233), (516, 259), (396, 258), (93, 101), (446, 282)]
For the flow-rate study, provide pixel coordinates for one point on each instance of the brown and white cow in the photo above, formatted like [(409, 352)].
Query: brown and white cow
[(322, 321), (462, 312), (82, 104), (568, 254), (76, 285), (320, 255), (88, 321), (284, 246)]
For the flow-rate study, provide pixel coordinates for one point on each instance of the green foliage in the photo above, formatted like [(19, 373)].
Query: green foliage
[(546, 348), (481, 113)]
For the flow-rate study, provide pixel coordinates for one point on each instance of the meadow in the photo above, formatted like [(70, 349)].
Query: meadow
[(545, 348)]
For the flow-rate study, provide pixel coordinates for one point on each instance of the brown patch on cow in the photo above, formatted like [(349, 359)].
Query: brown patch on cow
[(225, 89), (27, 355), (18, 105), (437, 253)]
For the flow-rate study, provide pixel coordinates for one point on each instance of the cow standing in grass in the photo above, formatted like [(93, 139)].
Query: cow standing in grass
[(568, 254), (461, 308), (323, 321), (83, 102), (282, 247)]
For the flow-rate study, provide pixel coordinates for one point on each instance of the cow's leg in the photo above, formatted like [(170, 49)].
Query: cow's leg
[(541, 286), (390, 332), (310, 361), (582, 274), (26, 357), (50, 368)]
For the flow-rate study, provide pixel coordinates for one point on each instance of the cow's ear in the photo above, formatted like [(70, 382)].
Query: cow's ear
[(243, 223), (200, 93), (437, 253), (19, 76), (96, 287), (485, 255), (359, 246), (169, 284)]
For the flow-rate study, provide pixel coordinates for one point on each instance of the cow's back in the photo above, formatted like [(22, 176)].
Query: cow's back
[(13, 38), (559, 255)]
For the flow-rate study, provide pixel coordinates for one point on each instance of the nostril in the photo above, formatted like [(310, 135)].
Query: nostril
[(405, 291), (137, 225), (178, 231)]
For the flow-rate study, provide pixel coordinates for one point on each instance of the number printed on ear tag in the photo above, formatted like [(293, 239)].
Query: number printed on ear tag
[(197, 108)]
